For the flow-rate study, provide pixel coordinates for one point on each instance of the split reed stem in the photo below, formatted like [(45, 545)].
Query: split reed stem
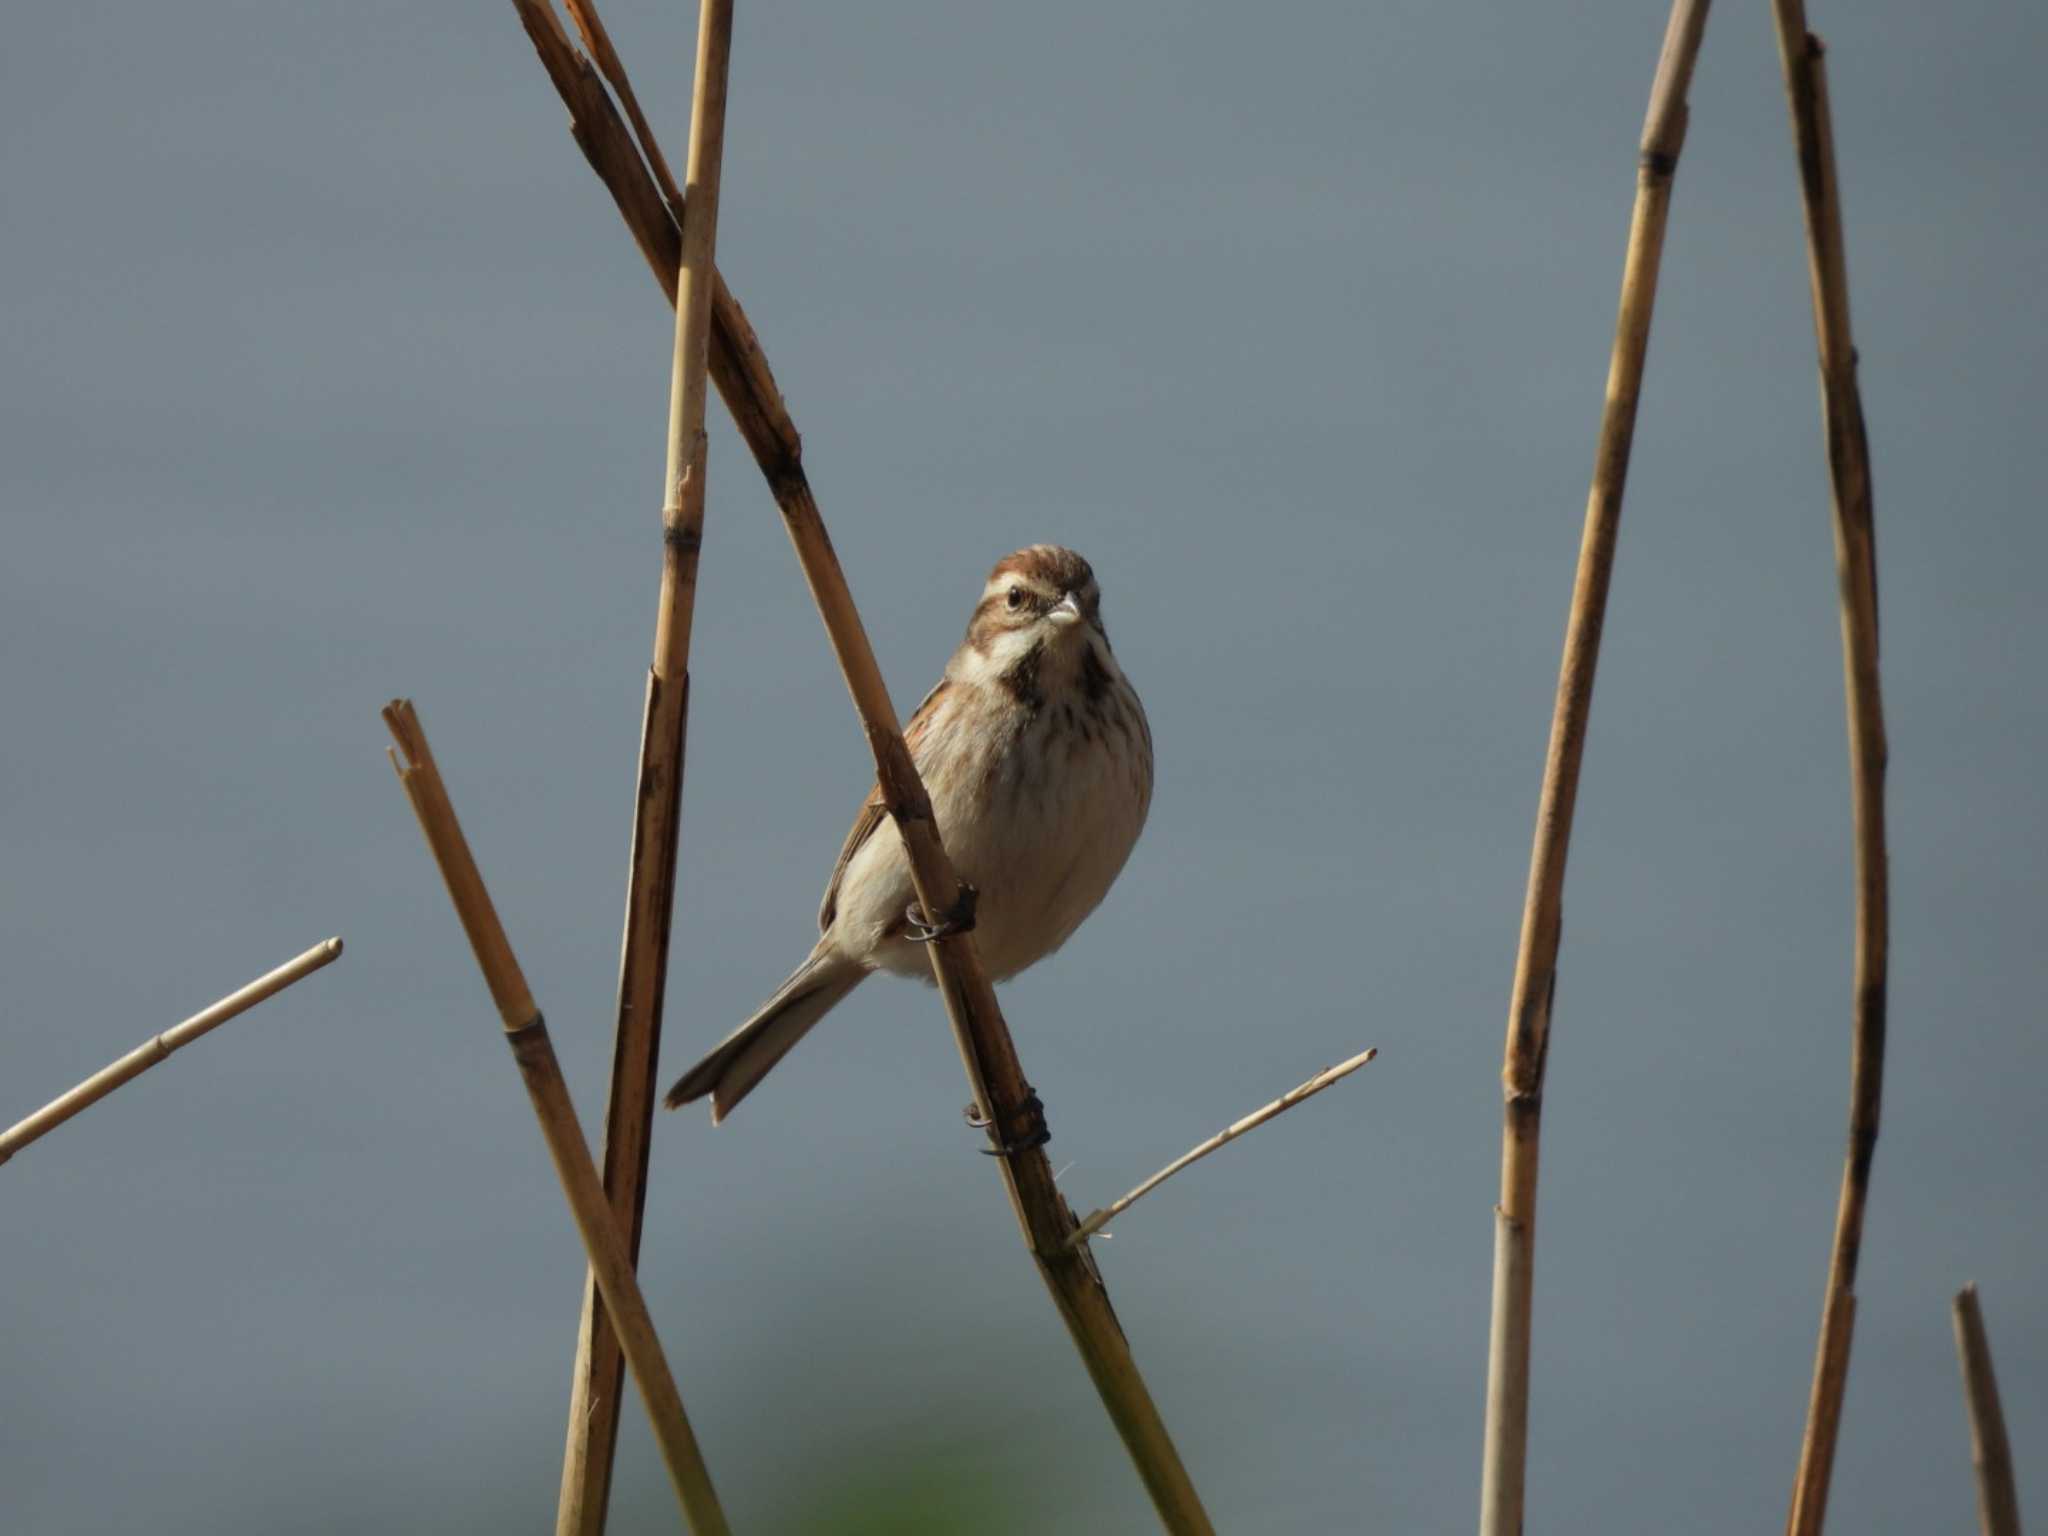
[(527, 1035), (155, 1049), (597, 40), (1505, 1453), (591, 1439), (1848, 455), (737, 365)]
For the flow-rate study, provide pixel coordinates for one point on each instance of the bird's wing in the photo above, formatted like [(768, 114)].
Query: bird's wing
[(872, 812)]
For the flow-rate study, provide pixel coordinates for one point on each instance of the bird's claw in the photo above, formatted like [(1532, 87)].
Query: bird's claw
[(958, 918), (1035, 1131)]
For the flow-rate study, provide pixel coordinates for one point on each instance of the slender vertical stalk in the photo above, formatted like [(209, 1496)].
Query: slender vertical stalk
[(987, 1052), (157, 1047), (1528, 1030), (527, 1035), (1998, 1500), (592, 1436), (1848, 453)]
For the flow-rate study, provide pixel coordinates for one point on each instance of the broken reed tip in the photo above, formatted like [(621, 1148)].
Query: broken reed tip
[(404, 724)]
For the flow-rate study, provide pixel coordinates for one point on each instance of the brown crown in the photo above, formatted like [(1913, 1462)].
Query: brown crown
[(1060, 569)]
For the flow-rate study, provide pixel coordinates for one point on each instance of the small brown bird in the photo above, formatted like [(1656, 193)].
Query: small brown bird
[(1038, 760)]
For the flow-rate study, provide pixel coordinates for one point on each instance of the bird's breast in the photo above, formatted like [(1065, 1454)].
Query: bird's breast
[(1039, 813)]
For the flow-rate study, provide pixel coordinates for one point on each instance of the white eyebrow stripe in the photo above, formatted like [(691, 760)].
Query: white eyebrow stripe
[(1003, 584)]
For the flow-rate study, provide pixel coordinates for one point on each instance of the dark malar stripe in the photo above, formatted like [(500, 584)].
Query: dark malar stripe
[(1095, 683), (1022, 678)]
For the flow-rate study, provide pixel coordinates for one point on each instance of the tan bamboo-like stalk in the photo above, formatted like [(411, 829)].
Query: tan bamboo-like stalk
[(155, 1049), (1528, 1030), (1015, 1116), (1998, 1499), (591, 1438), (1016, 1120), (1848, 453), (527, 1035)]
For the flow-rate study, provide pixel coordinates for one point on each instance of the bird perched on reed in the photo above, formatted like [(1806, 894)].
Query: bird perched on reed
[(1038, 760)]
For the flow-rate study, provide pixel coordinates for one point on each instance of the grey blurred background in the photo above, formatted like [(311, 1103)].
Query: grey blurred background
[(332, 375)]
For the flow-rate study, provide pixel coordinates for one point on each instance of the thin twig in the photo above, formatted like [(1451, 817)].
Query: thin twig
[(987, 1052), (1095, 1221), (154, 1050), (592, 1436), (1528, 1029), (1848, 453), (527, 1035), (1998, 1500)]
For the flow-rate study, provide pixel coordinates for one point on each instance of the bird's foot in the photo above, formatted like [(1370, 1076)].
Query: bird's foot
[(959, 918), (1033, 1132)]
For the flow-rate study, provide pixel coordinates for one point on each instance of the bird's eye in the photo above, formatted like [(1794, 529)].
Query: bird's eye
[(1016, 598)]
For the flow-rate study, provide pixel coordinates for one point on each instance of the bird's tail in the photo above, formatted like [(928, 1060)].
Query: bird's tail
[(745, 1056)]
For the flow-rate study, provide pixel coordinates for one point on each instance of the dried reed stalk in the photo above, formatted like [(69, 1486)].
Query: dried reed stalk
[(527, 1035), (1848, 452), (154, 1050), (591, 1440), (1095, 1221), (1014, 1114), (1528, 1029), (1015, 1119), (1998, 1500)]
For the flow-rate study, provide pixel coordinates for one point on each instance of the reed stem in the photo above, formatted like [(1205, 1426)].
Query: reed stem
[(526, 1033), (155, 1049), (1015, 1118), (591, 1438), (1848, 454), (1505, 1453)]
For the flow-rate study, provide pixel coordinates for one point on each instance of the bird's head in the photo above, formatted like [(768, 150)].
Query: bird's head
[(1041, 596)]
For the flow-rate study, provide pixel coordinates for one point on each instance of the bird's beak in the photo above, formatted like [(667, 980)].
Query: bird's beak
[(1065, 611)]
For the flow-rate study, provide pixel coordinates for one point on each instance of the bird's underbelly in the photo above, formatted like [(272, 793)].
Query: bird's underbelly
[(1040, 834)]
